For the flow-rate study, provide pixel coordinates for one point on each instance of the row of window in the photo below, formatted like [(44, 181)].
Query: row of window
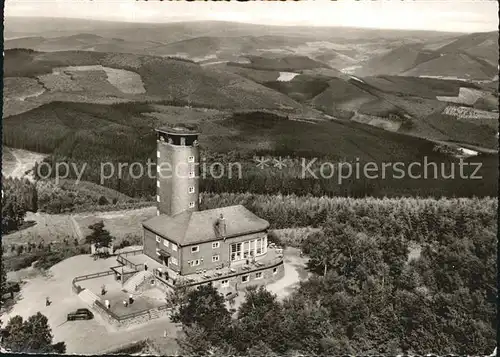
[(192, 204), (196, 262), (245, 250), (246, 278), (196, 248), (192, 174), (190, 158), (166, 243), (191, 189)]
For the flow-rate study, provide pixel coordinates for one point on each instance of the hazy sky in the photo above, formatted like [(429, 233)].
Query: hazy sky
[(449, 15)]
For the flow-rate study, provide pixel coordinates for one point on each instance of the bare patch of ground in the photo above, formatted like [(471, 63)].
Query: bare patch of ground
[(125, 81), (56, 227), (17, 162)]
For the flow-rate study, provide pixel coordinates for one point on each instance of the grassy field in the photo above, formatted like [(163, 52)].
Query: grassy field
[(55, 228)]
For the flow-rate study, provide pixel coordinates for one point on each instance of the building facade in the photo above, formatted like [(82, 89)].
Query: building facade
[(229, 241)]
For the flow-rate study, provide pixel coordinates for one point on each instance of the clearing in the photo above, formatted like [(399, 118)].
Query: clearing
[(16, 162), (56, 227)]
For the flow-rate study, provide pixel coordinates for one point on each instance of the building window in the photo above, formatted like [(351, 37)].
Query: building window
[(191, 204), (173, 261), (158, 154), (195, 262), (183, 141), (195, 249), (191, 189), (158, 183), (157, 239), (236, 251), (165, 243), (174, 247), (192, 174), (224, 283), (258, 275), (245, 278), (158, 251), (275, 270), (157, 198), (215, 245), (157, 212), (215, 258), (259, 246), (191, 159)]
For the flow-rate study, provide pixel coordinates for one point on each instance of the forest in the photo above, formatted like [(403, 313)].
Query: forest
[(366, 294)]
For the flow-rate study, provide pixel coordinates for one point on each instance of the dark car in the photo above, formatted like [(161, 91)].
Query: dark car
[(12, 286), (231, 295), (81, 314)]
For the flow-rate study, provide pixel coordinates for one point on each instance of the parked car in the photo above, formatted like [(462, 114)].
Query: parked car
[(231, 295), (81, 314), (13, 286)]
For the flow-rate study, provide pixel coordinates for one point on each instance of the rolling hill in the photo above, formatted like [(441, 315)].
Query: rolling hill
[(472, 56), (60, 77)]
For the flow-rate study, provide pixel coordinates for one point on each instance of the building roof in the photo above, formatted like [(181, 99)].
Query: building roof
[(180, 129), (190, 227)]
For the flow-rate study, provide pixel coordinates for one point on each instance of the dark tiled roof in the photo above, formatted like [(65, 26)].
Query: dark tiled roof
[(196, 227)]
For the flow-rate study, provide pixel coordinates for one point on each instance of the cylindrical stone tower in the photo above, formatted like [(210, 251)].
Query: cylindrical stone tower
[(177, 170)]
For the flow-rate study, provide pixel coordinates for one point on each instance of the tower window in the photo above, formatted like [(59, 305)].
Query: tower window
[(158, 154), (158, 183), (191, 159), (191, 204), (158, 198), (191, 189)]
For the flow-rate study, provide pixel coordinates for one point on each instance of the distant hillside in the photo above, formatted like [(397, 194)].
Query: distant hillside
[(458, 65), (483, 45), (473, 56), (285, 63), (162, 78), (224, 47), (397, 61)]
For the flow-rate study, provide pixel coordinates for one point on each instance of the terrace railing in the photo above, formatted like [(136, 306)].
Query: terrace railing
[(226, 273), (77, 288), (124, 261)]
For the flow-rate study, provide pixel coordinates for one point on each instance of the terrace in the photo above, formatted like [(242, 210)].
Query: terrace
[(171, 278)]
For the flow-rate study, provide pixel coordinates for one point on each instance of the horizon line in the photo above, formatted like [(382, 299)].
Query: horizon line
[(239, 22)]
